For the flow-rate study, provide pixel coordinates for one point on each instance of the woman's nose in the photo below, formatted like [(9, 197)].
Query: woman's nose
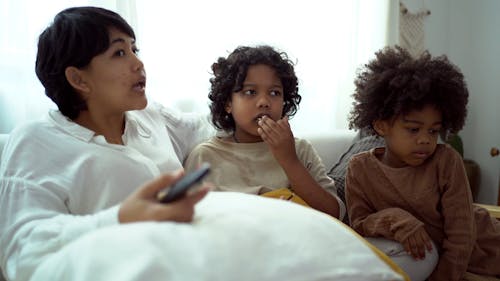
[(138, 64)]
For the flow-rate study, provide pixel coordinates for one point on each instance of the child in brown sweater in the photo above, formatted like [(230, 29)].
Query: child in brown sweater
[(415, 191)]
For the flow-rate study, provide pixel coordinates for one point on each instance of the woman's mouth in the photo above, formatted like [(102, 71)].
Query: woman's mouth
[(140, 86)]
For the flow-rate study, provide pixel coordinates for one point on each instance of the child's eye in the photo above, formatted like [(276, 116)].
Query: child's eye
[(413, 130), (249, 92), (434, 131), (275, 93)]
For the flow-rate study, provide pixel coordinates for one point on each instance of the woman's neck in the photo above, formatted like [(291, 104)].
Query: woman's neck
[(111, 127)]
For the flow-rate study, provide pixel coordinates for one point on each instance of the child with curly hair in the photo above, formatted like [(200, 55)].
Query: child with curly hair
[(253, 93), (414, 192)]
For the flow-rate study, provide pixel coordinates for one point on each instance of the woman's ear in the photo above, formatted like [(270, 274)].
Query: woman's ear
[(75, 79), (380, 127)]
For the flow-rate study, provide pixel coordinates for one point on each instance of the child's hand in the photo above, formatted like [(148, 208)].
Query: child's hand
[(417, 243), (278, 135)]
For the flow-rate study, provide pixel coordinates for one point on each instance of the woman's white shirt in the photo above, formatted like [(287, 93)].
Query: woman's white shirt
[(58, 180)]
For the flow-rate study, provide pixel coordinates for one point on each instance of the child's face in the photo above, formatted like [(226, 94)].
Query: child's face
[(412, 138), (262, 94)]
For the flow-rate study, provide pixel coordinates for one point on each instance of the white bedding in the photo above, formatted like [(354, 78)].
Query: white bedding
[(234, 236)]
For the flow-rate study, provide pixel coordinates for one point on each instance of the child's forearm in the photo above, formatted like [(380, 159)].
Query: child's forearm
[(304, 185)]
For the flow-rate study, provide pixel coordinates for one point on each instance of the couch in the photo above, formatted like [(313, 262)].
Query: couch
[(331, 148)]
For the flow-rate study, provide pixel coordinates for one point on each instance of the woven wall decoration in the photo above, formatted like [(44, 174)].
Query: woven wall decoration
[(411, 30)]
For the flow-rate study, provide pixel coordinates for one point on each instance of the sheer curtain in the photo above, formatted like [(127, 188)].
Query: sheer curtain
[(179, 40)]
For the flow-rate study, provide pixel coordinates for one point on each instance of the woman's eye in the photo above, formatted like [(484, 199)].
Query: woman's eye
[(120, 53), (136, 51)]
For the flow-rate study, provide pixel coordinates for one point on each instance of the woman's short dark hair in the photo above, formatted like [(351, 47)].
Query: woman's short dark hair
[(395, 83), (74, 37), (230, 73)]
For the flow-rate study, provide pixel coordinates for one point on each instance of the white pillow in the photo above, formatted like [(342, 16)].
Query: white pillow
[(234, 236)]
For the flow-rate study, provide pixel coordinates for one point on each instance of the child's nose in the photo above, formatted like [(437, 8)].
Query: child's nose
[(263, 101), (424, 139)]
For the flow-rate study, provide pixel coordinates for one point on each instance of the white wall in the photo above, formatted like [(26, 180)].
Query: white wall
[(468, 33)]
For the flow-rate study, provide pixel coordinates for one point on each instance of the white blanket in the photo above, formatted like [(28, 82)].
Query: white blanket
[(234, 236)]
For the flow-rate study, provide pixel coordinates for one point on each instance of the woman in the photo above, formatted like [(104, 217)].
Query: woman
[(102, 157)]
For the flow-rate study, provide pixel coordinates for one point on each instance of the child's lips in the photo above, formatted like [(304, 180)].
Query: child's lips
[(259, 118), (421, 154)]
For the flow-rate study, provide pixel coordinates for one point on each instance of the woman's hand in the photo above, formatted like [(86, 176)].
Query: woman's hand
[(417, 243), (142, 205)]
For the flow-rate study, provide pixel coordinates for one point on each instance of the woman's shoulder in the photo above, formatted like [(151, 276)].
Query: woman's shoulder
[(30, 131), (27, 143), (173, 116)]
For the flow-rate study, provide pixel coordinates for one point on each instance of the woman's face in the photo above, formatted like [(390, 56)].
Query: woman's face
[(116, 79)]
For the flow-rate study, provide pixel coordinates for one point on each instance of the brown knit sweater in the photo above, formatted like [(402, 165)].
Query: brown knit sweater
[(394, 202)]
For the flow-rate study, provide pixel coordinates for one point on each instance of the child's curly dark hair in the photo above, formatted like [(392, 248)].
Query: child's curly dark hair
[(394, 83), (230, 73)]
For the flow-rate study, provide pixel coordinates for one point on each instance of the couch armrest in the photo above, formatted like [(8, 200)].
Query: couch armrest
[(494, 210), (331, 146)]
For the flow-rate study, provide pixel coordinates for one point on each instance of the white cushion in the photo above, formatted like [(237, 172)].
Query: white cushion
[(234, 236)]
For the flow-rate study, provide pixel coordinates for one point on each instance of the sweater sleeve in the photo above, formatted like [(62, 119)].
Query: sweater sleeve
[(391, 223), (458, 218)]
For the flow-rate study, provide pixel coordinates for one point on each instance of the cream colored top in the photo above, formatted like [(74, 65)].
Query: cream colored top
[(251, 167)]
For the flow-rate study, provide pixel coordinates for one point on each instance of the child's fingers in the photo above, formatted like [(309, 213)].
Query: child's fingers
[(428, 245), (414, 247), (406, 246), (275, 132), (426, 241)]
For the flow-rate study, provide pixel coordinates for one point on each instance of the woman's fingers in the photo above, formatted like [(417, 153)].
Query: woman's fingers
[(150, 189), (143, 205)]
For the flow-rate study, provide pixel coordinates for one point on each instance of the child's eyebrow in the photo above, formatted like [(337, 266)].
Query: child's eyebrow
[(420, 122), (255, 84)]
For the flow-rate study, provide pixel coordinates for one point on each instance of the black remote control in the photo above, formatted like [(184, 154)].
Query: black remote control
[(179, 188)]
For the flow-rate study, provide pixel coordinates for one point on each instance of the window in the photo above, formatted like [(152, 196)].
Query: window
[(179, 41)]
